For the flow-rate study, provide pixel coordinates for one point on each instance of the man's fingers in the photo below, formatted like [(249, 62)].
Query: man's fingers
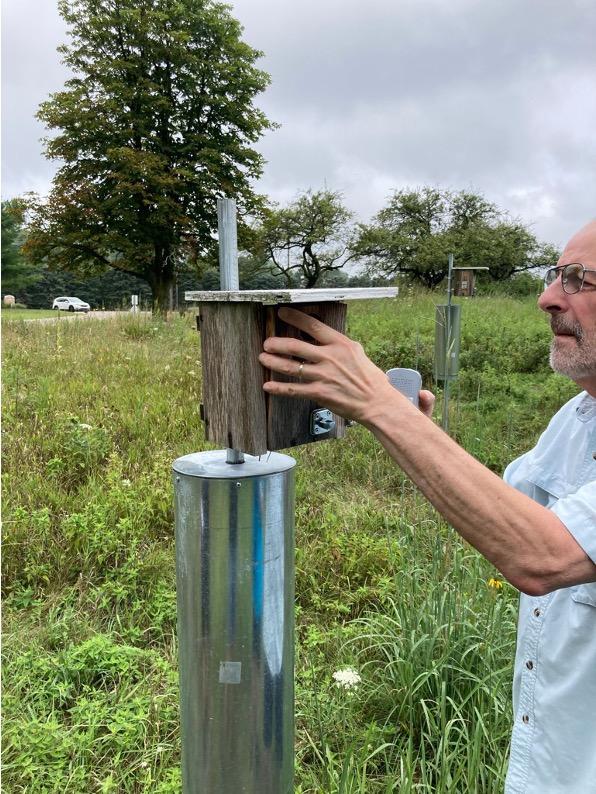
[(287, 389), (285, 366), (288, 346), (315, 328)]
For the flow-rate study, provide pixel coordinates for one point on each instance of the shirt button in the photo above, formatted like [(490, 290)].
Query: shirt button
[(530, 664), (526, 719), (536, 613), (594, 455)]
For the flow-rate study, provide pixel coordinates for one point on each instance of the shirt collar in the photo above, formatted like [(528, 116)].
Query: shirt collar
[(586, 408)]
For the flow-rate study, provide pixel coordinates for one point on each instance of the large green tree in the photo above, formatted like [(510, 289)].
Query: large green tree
[(418, 229), (17, 272), (157, 121), (307, 239)]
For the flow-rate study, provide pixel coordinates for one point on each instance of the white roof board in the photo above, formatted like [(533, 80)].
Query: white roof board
[(272, 297)]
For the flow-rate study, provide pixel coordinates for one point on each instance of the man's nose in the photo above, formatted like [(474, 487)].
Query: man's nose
[(554, 298)]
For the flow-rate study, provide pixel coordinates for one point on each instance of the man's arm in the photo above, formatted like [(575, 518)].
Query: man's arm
[(525, 541)]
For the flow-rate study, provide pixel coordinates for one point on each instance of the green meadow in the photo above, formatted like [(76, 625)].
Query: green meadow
[(95, 412)]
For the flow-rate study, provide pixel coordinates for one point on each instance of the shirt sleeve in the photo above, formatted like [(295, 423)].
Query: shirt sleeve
[(578, 512)]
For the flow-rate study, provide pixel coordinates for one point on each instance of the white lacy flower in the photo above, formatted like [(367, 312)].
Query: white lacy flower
[(347, 679), (83, 426)]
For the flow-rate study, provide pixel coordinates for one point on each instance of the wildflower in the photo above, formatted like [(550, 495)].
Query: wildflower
[(191, 372), (347, 679), (126, 483), (496, 584), (83, 426)]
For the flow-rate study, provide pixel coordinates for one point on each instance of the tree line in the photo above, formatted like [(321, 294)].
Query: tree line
[(158, 121)]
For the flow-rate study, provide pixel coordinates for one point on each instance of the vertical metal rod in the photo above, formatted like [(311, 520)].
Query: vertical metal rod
[(228, 270), (447, 347), (234, 456), (235, 593), (228, 244)]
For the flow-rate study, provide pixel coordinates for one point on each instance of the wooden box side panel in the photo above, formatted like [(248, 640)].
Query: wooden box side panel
[(288, 419), (234, 404)]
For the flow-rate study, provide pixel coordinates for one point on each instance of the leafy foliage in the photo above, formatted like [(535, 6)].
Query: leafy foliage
[(418, 229), (307, 239), (157, 122), (17, 273)]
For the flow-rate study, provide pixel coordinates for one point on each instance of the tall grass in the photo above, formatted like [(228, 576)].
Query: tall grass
[(94, 414)]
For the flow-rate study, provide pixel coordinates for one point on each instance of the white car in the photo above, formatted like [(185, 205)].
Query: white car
[(70, 305)]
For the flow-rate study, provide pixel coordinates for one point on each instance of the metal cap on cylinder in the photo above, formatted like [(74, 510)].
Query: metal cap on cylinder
[(213, 465)]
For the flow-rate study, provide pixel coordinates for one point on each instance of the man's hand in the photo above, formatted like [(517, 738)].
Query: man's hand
[(336, 372)]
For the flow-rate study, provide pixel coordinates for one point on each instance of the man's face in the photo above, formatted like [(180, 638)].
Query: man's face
[(573, 317)]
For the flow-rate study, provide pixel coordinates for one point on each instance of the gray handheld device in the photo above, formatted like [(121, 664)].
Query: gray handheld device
[(407, 381)]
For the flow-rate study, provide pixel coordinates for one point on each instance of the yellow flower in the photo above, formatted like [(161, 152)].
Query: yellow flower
[(496, 584)]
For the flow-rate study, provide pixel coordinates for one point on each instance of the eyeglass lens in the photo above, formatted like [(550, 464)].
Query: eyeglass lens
[(572, 277)]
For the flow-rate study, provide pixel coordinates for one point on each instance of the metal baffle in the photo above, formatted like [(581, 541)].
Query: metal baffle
[(447, 341), (235, 589)]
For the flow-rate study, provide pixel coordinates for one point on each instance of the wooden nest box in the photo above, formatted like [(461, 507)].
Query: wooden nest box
[(233, 325)]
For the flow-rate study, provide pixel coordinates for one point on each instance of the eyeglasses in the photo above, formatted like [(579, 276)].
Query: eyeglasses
[(572, 277)]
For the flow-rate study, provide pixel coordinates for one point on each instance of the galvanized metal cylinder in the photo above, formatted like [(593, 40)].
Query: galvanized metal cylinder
[(447, 340), (235, 591)]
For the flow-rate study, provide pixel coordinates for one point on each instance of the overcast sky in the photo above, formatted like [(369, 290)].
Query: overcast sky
[(497, 96)]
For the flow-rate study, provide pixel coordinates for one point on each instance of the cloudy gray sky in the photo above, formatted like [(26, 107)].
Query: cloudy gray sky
[(498, 96)]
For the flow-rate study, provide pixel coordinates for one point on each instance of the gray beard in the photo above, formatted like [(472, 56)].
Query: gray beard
[(576, 361)]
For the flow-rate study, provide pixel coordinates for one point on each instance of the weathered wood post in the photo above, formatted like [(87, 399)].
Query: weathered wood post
[(235, 539)]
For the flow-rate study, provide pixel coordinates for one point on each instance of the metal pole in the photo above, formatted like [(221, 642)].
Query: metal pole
[(228, 270), (228, 244), (447, 347), (449, 277), (235, 591)]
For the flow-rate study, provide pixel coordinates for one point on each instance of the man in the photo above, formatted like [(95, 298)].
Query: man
[(538, 527)]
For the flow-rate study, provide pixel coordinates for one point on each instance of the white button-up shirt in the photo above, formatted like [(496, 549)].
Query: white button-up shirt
[(553, 745)]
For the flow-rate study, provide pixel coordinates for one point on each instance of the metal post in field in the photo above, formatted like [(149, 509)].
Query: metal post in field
[(235, 596), (450, 316), (228, 244), (228, 268), (447, 347)]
